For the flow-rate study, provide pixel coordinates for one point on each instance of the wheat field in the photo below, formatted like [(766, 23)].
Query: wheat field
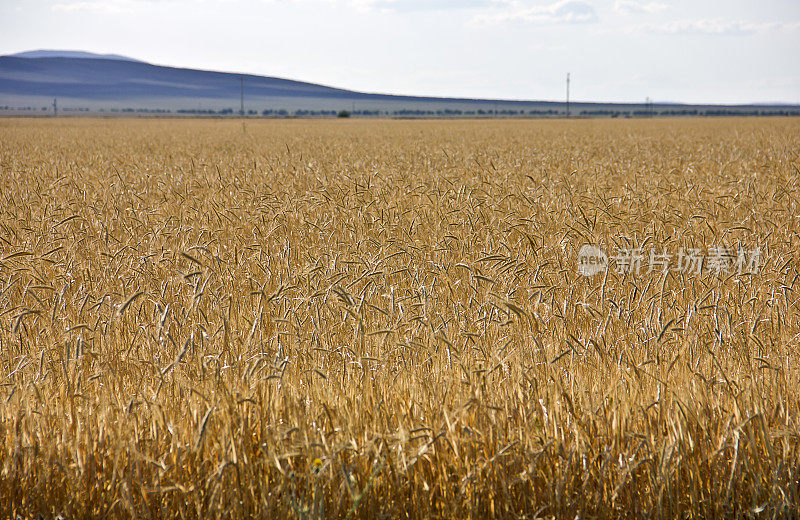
[(385, 319)]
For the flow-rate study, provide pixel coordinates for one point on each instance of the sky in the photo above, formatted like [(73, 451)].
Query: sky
[(693, 51)]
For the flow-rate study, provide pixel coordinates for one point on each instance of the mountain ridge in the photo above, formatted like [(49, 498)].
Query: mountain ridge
[(109, 82), (54, 53)]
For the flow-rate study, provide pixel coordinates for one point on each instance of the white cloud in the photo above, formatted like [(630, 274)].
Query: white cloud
[(635, 6), (100, 6), (418, 5), (561, 12), (547, 48), (716, 26)]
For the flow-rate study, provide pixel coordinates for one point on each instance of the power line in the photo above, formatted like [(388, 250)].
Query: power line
[(567, 94)]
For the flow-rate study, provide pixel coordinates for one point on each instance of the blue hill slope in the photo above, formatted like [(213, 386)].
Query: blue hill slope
[(97, 83), (114, 79), (44, 53)]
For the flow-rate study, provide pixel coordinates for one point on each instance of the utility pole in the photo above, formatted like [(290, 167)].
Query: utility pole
[(55, 108), (241, 110), (567, 94)]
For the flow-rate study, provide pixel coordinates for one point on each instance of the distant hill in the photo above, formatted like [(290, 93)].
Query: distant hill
[(108, 83), (70, 54), (103, 79)]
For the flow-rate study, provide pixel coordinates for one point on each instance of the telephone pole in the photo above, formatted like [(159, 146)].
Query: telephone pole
[(567, 94), (241, 110), (55, 108)]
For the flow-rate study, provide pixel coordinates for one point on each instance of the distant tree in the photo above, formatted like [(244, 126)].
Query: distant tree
[(343, 113)]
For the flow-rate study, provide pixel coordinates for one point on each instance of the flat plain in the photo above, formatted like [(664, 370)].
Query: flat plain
[(385, 319)]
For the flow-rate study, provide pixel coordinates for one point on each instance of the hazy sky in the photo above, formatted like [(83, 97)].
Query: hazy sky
[(732, 51)]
